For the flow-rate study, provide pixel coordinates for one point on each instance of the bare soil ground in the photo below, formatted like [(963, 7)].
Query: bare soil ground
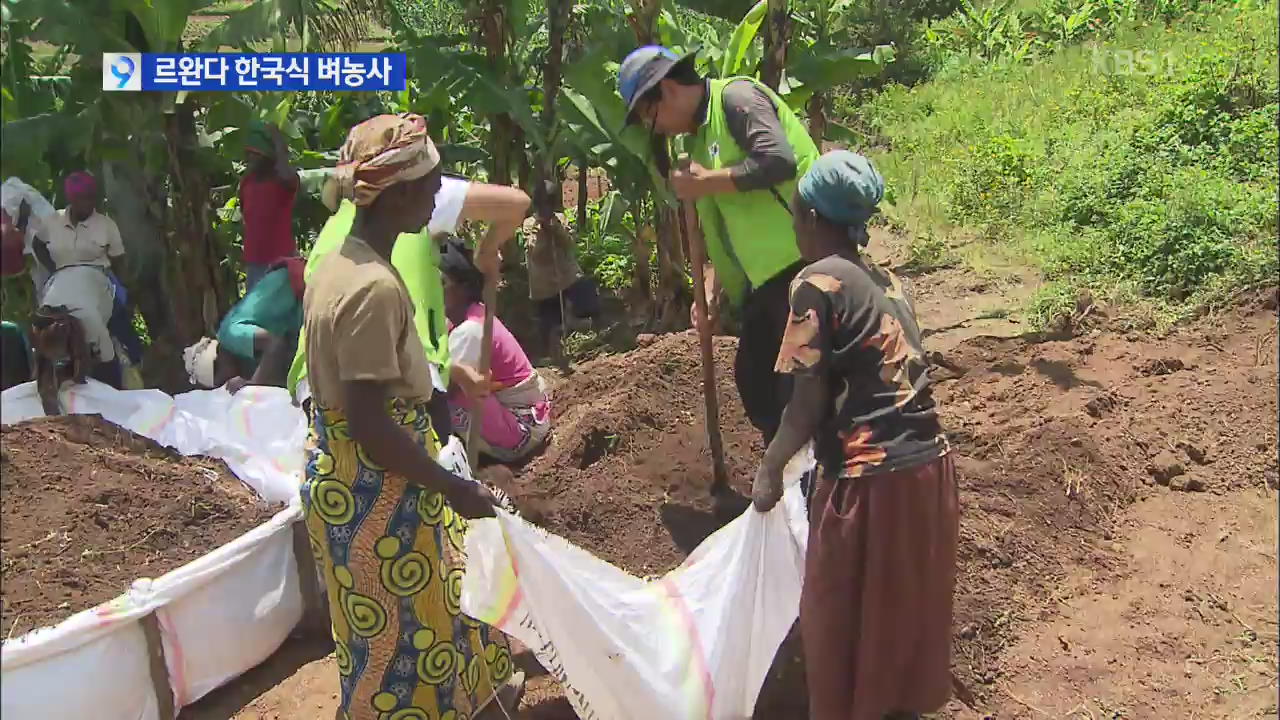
[(1118, 554), (89, 507)]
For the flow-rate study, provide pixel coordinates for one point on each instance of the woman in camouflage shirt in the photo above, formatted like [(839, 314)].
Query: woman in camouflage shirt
[(876, 608)]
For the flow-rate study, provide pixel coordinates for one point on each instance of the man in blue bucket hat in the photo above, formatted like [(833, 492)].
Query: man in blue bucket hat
[(748, 149)]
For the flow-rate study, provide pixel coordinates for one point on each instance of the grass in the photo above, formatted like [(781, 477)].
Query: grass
[(224, 8), (1154, 188)]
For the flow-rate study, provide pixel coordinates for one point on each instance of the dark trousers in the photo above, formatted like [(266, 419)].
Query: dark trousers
[(764, 392), (120, 325), (584, 295)]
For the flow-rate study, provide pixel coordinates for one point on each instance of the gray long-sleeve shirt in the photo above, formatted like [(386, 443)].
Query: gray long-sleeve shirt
[(754, 124)]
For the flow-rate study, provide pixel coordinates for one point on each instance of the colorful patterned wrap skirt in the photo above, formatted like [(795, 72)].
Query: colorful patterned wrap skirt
[(391, 558)]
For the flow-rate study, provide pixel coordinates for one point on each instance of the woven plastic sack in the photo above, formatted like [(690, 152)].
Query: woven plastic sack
[(694, 643)]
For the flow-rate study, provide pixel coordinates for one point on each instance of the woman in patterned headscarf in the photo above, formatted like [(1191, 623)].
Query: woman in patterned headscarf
[(875, 611), (386, 521)]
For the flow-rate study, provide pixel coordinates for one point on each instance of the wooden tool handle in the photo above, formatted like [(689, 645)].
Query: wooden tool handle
[(486, 356), (698, 259)]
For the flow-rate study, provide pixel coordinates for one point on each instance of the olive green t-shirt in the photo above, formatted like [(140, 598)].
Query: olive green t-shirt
[(359, 326)]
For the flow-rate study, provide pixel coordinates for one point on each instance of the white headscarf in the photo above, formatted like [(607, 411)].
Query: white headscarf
[(198, 360)]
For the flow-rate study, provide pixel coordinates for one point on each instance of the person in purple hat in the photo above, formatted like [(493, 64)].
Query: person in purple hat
[(747, 150)]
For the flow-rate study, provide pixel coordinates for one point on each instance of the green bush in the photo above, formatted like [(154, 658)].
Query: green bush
[(1158, 178), (992, 178)]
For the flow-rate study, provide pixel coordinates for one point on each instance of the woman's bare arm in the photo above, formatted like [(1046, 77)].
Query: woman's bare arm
[(503, 208), (800, 420)]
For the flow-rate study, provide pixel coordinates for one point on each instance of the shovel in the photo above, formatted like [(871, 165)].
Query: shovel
[(490, 297), (698, 259)]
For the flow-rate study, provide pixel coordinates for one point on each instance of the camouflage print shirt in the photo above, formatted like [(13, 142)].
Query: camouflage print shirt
[(854, 325)]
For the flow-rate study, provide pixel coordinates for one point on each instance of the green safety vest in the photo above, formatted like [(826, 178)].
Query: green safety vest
[(749, 236), (417, 258)]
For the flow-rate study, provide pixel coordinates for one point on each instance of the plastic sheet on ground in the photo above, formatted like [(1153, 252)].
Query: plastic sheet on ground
[(220, 614), (696, 643), (258, 431)]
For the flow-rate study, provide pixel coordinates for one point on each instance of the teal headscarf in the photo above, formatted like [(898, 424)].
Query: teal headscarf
[(258, 139), (844, 188)]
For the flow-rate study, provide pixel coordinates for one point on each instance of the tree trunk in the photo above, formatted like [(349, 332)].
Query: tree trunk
[(494, 34), (641, 300), (817, 119), (547, 198), (777, 26), (205, 290), (644, 20), (674, 296), (131, 191), (583, 168)]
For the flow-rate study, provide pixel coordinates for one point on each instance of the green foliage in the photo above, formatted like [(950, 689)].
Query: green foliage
[(742, 42), (1107, 174), (1051, 305), (605, 242), (928, 252), (992, 177), (1003, 31)]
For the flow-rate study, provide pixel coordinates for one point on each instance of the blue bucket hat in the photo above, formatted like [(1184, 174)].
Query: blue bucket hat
[(642, 70)]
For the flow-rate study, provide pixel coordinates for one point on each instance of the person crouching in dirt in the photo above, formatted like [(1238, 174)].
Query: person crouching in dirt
[(258, 337), (515, 412), (748, 148), (561, 293), (417, 259), (876, 608), (375, 498), (82, 251)]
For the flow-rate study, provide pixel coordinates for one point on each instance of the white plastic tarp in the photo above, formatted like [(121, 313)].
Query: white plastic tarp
[(219, 615), (695, 644), (13, 191), (258, 431)]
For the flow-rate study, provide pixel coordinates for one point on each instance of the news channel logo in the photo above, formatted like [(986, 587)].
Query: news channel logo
[(231, 72), (122, 72)]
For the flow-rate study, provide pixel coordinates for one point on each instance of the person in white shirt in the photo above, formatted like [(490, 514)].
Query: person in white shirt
[(458, 200), (80, 247)]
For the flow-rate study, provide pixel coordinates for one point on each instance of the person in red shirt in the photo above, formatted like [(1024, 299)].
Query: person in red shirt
[(267, 192)]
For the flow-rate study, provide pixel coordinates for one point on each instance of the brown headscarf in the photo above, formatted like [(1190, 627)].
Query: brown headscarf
[(379, 153)]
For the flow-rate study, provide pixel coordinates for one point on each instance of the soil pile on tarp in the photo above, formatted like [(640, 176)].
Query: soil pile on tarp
[(1053, 440), (89, 507)]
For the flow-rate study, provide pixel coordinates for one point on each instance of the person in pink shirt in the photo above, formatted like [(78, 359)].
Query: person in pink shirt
[(267, 192), (515, 412)]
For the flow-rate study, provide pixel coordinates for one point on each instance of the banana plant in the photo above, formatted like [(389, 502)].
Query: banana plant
[(1063, 22), (149, 146), (297, 25), (817, 59)]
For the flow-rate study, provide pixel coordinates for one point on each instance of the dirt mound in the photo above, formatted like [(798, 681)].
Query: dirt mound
[(89, 507), (627, 472), (1054, 440)]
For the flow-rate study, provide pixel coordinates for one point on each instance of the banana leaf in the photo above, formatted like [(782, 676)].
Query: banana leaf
[(467, 77), (737, 50), (822, 67)]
